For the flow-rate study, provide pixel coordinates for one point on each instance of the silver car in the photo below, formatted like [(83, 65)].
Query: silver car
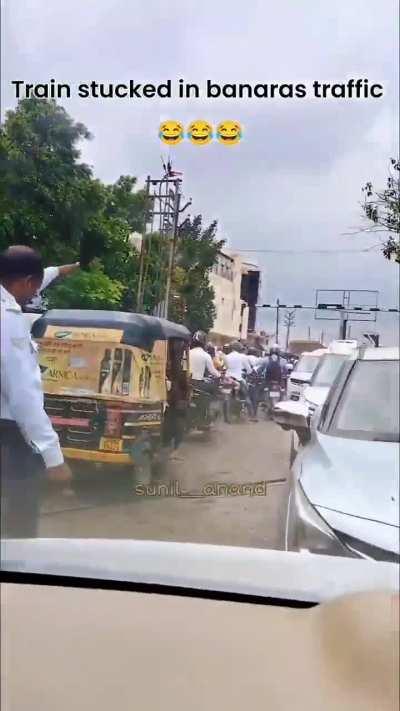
[(344, 496)]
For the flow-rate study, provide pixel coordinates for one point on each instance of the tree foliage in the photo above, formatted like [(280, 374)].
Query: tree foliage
[(197, 252), (382, 208), (50, 200)]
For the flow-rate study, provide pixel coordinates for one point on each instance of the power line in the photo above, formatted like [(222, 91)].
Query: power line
[(303, 251)]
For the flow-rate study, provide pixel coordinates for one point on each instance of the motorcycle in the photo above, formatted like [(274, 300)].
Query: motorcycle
[(274, 393), (234, 400), (204, 408)]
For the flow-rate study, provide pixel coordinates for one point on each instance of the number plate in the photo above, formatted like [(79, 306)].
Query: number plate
[(108, 444)]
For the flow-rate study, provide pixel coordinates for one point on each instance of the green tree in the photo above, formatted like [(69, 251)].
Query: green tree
[(90, 289), (49, 200), (192, 300), (382, 208), (48, 196)]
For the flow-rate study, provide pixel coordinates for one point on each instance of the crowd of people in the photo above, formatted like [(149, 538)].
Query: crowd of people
[(253, 369)]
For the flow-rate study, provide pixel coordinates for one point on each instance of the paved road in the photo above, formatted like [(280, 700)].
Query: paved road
[(236, 454)]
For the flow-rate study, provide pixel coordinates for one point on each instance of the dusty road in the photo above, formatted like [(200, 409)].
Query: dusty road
[(184, 510)]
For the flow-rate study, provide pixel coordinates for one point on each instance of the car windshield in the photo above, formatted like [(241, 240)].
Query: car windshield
[(327, 370), (369, 405), (306, 364), (176, 186)]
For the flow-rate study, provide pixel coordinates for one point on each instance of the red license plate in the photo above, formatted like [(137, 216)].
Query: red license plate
[(70, 421)]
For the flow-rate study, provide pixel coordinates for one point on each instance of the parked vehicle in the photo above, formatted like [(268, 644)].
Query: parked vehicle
[(105, 383), (344, 496), (326, 371), (302, 373)]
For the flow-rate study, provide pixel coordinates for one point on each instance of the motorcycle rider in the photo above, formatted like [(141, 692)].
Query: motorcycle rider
[(238, 367), (200, 362), (201, 365), (275, 368)]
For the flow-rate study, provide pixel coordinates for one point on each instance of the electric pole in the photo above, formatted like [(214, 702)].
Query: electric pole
[(172, 246), (277, 322), (139, 295), (162, 209), (289, 320)]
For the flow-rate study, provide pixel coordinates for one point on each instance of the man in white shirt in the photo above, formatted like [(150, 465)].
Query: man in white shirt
[(237, 362), (49, 275), (28, 441), (200, 362)]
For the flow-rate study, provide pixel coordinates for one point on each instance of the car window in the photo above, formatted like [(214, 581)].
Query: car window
[(306, 364), (369, 405), (327, 369)]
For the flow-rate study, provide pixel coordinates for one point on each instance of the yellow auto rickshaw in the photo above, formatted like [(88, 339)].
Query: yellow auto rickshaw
[(109, 378)]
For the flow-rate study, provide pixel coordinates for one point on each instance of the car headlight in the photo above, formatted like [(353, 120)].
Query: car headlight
[(313, 533)]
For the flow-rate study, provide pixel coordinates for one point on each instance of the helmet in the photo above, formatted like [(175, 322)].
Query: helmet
[(226, 348), (199, 339), (237, 346), (275, 349)]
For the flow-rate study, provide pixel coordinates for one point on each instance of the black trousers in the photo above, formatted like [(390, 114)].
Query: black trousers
[(21, 477)]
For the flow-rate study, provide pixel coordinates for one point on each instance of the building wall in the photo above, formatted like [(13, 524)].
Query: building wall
[(232, 311)]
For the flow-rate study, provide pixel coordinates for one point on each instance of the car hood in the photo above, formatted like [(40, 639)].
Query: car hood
[(199, 567), (355, 477)]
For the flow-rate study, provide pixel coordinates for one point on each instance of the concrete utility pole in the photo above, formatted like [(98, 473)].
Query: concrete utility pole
[(162, 211), (139, 295), (343, 326), (277, 322), (290, 317), (172, 246)]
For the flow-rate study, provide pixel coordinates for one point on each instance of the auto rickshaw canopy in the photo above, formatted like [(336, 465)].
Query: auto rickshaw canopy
[(137, 330)]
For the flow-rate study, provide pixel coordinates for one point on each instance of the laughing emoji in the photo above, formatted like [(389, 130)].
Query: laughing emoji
[(200, 133), (171, 132), (229, 132)]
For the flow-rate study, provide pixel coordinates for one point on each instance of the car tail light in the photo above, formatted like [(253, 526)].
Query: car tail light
[(113, 426)]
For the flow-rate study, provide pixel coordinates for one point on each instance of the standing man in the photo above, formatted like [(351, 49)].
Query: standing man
[(49, 275), (28, 443)]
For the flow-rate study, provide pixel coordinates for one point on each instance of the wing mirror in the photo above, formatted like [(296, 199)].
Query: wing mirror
[(293, 415)]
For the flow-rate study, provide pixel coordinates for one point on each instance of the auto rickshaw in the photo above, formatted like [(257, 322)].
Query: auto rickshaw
[(112, 382)]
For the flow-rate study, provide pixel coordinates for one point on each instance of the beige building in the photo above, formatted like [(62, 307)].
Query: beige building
[(234, 301)]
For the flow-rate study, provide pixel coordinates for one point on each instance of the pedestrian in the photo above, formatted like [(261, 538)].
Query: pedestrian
[(50, 274), (29, 446)]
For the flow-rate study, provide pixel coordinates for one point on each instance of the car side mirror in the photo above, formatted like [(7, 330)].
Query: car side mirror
[(292, 415)]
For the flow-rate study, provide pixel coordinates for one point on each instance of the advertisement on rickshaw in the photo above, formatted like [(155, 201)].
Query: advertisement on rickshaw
[(76, 362)]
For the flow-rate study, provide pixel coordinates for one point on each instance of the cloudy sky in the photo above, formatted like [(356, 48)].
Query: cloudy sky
[(293, 183)]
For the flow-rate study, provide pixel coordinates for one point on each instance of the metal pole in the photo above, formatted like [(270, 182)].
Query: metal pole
[(139, 296), (172, 248), (343, 326), (277, 322)]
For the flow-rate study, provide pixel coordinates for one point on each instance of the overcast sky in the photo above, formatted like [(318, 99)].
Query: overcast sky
[(294, 180)]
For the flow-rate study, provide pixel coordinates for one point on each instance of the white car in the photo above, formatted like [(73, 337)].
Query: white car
[(123, 624), (302, 373), (344, 496)]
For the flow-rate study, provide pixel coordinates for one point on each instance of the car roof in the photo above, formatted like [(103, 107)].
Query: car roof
[(386, 353)]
